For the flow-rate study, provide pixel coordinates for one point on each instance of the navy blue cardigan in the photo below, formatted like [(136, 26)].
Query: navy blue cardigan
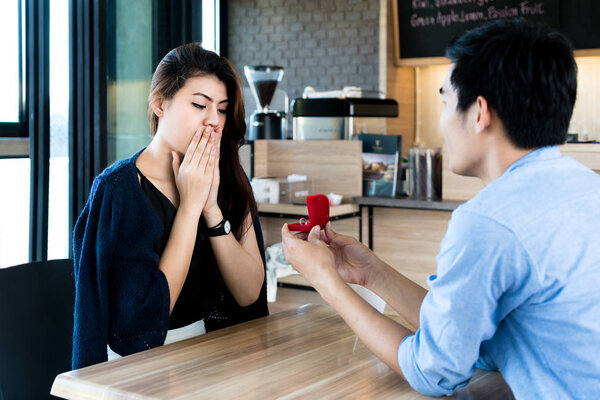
[(122, 298)]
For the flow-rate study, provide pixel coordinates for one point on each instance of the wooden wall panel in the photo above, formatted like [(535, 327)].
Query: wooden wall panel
[(587, 154), (400, 86), (409, 240), (428, 104), (457, 187), (333, 165), (462, 188), (587, 109)]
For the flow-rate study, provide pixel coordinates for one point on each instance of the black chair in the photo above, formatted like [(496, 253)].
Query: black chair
[(36, 327)]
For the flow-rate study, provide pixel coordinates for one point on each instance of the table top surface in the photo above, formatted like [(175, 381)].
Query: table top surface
[(305, 353)]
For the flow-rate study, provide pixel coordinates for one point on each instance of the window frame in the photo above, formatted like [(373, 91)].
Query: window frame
[(29, 138)]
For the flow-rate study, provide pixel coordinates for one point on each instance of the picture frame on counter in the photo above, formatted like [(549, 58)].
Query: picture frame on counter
[(382, 165)]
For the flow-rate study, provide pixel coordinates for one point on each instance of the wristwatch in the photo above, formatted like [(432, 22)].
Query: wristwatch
[(222, 228)]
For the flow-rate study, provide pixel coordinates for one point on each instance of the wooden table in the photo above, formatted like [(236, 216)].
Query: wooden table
[(305, 353)]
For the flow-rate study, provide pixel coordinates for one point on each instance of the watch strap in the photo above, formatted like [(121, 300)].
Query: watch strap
[(222, 228), (217, 225)]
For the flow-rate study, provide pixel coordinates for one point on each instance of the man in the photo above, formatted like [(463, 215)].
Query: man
[(519, 268)]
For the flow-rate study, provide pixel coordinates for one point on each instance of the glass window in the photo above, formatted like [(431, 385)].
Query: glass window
[(9, 67), (14, 211), (14, 172), (130, 57), (58, 198), (210, 25)]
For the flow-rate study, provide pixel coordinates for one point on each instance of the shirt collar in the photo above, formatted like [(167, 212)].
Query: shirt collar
[(541, 154)]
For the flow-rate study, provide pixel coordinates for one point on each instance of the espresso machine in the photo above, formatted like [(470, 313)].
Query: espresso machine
[(264, 122)]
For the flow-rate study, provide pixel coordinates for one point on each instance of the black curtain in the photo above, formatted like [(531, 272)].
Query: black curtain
[(223, 28), (87, 101), (174, 23), (37, 23)]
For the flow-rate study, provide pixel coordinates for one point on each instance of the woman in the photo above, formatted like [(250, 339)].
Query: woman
[(165, 242)]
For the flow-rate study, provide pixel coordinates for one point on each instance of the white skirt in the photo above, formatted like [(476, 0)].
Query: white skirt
[(173, 335)]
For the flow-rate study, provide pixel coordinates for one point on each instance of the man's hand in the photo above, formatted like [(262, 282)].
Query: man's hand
[(354, 261), (311, 257), (320, 265)]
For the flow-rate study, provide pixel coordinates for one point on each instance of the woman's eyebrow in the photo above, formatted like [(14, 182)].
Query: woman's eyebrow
[(209, 98)]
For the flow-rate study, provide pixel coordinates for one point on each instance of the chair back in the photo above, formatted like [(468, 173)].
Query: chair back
[(36, 327)]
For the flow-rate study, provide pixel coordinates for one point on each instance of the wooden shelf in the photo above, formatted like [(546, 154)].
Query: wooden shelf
[(586, 153)]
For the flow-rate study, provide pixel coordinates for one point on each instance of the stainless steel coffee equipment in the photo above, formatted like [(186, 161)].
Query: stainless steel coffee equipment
[(335, 118), (425, 173), (264, 122)]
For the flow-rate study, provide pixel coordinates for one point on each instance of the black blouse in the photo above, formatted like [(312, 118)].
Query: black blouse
[(193, 302), (204, 294)]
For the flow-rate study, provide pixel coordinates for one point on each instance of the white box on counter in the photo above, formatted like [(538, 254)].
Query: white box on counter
[(292, 189)]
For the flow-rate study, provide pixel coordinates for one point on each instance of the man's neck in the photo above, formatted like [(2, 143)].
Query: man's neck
[(498, 158)]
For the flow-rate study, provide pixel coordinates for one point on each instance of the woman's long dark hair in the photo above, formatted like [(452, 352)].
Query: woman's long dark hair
[(235, 196)]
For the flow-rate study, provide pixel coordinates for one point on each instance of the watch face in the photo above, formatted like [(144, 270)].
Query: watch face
[(227, 227)]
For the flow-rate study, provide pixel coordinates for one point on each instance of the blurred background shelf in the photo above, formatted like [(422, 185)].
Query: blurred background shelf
[(283, 209)]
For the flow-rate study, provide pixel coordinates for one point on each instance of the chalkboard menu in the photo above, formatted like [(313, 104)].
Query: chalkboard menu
[(424, 27), (579, 20)]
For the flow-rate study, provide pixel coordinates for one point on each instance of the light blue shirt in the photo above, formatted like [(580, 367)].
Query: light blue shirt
[(517, 287)]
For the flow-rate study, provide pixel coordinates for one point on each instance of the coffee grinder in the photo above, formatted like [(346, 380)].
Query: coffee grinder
[(264, 122)]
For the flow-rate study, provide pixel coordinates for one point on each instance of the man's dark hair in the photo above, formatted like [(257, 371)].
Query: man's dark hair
[(525, 72)]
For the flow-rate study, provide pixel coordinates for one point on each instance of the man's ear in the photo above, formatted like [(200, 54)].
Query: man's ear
[(158, 105), (484, 114)]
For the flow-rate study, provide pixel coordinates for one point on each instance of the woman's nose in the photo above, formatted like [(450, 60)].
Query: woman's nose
[(212, 117)]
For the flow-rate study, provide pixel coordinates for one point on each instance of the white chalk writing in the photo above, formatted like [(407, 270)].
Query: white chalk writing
[(532, 9), (424, 4), (433, 13)]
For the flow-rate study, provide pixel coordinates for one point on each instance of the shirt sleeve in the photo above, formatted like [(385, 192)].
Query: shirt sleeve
[(483, 274)]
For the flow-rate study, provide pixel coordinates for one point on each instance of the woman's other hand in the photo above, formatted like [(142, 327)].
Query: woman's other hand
[(194, 175), (211, 209)]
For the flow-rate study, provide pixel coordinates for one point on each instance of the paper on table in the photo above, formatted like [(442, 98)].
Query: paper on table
[(277, 267)]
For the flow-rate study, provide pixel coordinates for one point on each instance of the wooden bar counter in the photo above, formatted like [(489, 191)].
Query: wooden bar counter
[(304, 353)]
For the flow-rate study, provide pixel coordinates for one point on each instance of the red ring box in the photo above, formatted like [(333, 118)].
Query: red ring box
[(318, 213)]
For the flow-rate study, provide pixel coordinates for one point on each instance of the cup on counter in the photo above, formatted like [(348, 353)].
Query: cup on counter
[(425, 173)]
